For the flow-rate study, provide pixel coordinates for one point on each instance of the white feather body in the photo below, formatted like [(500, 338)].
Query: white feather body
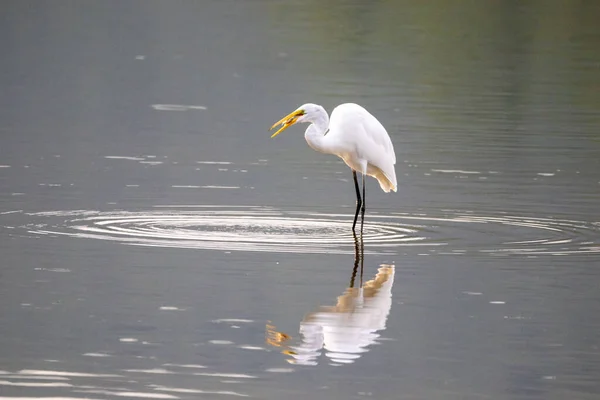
[(357, 137)]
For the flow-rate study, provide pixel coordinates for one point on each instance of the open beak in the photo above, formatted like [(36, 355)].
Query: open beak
[(286, 122)]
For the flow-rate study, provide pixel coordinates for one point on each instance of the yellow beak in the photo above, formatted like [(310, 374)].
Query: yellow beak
[(286, 122)]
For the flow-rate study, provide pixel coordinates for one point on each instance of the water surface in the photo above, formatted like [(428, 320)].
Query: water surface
[(157, 244)]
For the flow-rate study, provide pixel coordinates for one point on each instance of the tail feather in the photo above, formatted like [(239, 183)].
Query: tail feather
[(385, 183)]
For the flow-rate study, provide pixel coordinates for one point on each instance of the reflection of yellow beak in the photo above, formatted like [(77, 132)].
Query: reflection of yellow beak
[(286, 122)]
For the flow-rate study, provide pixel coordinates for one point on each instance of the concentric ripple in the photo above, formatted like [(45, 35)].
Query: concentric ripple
[(266, 229)]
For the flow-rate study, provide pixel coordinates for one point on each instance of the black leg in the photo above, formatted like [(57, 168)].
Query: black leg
[(362, 257), (359, 256), (356, 259), (358, 200), (364, 200)]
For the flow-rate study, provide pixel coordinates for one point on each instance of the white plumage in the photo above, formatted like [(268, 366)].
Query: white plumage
[(367, 142), (352, 134)]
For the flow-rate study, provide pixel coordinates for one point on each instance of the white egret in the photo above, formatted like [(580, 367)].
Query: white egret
[(354, 135)]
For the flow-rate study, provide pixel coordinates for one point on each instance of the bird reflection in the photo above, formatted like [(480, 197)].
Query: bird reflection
[(345, 330)]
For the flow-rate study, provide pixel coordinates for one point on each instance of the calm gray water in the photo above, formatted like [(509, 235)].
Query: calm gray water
[(156, 243)]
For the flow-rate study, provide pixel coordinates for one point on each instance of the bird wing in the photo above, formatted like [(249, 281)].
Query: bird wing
[(374, 130), (361, 137), (365, 133)]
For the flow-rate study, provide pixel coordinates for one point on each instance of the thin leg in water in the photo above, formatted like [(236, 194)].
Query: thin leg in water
[(362, 255), (356, 259), (362, 210), (358, 200), (359, 257)]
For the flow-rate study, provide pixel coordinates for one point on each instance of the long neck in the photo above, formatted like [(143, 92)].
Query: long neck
[(315, 134)]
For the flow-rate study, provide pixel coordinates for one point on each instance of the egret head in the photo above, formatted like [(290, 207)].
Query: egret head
[(305, 113)]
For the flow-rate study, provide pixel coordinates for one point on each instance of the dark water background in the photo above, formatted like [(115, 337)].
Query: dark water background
[(152, 234)]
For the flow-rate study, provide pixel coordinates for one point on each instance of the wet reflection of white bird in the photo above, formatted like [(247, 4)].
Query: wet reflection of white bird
[(344, 330), (354, 135)]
